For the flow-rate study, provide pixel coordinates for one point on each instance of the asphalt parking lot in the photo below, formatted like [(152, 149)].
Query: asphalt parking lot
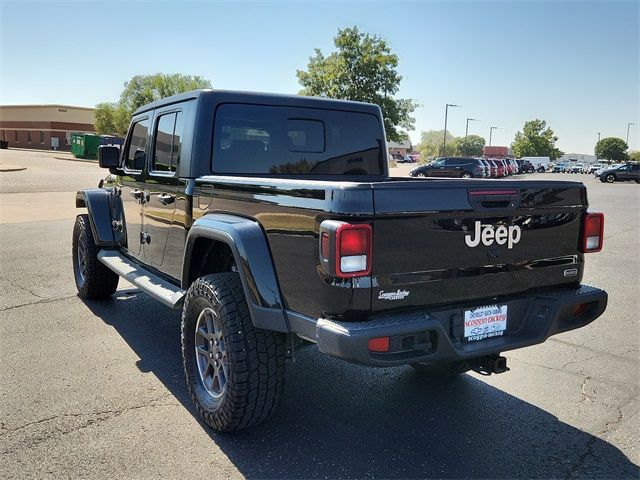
[(95, 389)]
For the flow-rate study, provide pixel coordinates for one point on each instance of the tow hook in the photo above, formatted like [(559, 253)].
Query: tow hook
[(490, 364)]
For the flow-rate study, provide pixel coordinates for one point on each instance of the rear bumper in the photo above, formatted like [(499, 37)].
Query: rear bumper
[(436, 336)]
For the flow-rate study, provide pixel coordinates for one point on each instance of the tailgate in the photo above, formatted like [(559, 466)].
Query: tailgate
[(442, 241)]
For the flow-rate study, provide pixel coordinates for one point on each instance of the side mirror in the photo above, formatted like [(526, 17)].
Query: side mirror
[(108, 156)]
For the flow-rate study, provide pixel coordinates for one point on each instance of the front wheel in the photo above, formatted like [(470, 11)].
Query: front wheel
[(234, 371), (93, 279), (611, 178)]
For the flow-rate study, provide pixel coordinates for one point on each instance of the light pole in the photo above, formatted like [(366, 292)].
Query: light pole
[(628, 125), (446, 112), (491, 133), (466, 130), (598, 137)]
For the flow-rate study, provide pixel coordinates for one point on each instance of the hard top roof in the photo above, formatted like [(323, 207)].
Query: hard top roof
[(230, 96)]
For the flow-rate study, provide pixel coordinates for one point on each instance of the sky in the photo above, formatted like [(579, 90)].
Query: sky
[(574, 64)]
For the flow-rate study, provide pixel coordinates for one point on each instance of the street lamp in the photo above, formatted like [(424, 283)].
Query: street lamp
[(446, 112), (628, 125), (491, 133), (466, 131), (598, 137)]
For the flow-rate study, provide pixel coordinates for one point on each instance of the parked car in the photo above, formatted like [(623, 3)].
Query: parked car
[(595, 167), (559, 167), (499, 166), (492, 172), (528, 167), (613, 166), (577, 167), (623, 173), (462, 167)]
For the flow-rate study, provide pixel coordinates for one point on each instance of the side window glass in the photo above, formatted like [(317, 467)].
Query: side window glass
[(168, 142), (136, 157)]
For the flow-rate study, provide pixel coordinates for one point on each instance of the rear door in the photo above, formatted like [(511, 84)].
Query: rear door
[(162, 182), (451, 168), (443, 241)]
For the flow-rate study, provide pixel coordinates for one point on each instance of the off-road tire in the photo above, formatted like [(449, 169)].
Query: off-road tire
[(448, 370), (255, 358), (611, 178), (95, 281)]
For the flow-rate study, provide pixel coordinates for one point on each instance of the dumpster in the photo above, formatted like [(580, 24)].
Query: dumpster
[(85, 145)]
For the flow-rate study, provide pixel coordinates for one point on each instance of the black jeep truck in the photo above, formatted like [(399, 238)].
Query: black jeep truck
[(272, 219)]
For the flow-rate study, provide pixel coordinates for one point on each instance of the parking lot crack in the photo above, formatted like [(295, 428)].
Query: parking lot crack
[(89, 419), (43, 300), (608, 427)]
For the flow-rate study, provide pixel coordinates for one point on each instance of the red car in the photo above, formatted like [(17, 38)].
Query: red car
[(499, 166)]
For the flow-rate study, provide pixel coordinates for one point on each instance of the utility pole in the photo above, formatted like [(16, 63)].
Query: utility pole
[(628, 125), (466, 130), (491, 133), (446, 112)]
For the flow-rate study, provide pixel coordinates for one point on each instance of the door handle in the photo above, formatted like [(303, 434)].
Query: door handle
[(166, 198)]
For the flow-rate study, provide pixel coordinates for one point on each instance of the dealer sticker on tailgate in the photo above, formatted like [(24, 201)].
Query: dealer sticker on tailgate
[(485, 322)]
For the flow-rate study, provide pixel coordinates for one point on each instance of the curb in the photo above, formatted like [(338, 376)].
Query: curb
[(11, 169)]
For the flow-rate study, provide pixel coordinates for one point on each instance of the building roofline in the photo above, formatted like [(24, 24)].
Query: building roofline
[(55, 105)]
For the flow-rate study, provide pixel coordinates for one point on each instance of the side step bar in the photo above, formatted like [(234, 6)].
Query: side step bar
[(146, 281)]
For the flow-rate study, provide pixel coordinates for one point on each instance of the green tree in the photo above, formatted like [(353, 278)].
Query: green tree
[(611, 148), (430, 145), (635, 156), (536, 140), (470, 146), (363, 69), (114, 118), (111, 119)]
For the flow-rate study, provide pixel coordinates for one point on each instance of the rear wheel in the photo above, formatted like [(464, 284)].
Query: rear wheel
[(465, 175), (93, 279), (420, 174), (234, 371), (611, 178), (447, 370)]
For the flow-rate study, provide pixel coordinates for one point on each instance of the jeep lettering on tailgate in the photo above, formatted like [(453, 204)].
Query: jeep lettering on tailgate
[(488, 234)]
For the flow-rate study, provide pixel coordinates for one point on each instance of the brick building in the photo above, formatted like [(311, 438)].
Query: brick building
[(45, 127), (400, 148)]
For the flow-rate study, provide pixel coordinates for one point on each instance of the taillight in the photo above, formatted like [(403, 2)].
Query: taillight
[(592, 232), (353, 250), (345, 249)]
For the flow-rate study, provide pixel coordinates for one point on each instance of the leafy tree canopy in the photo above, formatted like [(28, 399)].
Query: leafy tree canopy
[(611, 148), (114, 118), (364, 69), (635, 156), (470, 146), (430, 145), (536, 140)]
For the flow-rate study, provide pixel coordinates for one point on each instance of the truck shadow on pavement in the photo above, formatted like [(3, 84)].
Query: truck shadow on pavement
[(338, 420)]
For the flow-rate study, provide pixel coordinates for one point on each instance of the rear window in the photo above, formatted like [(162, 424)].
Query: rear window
[(260, 139)]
